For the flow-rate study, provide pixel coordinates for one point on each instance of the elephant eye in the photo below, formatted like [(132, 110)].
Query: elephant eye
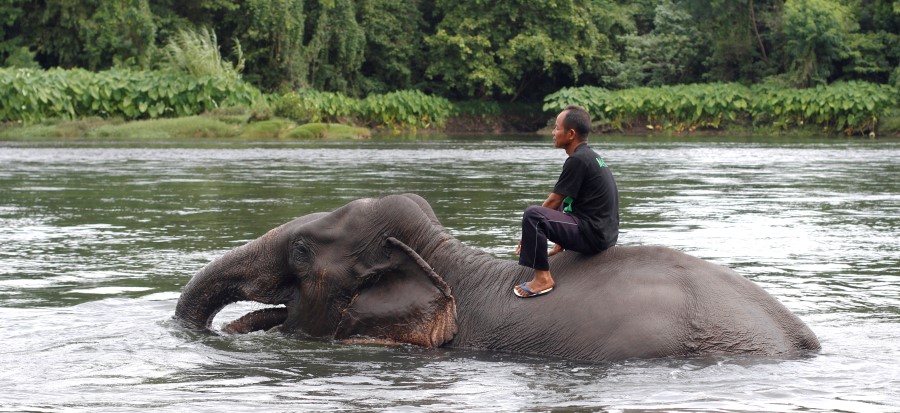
[(300, 252)]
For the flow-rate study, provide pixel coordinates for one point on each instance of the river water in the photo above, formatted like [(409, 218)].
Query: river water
[(97, 240)]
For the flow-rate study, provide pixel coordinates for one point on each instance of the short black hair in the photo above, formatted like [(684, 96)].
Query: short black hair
[(578, 119)]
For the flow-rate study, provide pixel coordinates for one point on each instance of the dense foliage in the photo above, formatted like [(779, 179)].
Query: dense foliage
[(483, 48), (407, 109), (674, 107), (471, 49), (849, 107), (32, 95)]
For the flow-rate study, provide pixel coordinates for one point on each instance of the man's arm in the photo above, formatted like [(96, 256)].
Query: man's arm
[(553, 201)]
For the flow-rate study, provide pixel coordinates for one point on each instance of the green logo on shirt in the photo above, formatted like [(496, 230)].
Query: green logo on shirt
[(601, 162)]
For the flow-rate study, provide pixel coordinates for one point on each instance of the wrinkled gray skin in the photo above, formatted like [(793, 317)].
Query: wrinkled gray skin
[(385, 271)]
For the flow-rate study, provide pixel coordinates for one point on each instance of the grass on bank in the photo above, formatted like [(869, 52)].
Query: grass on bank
[(231, 127), (889, 124), (210, 125), (241, 123), (164, 105)]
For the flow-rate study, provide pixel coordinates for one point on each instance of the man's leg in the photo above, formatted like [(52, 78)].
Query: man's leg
[(538, 225)]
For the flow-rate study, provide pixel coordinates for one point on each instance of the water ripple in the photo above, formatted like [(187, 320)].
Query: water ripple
[(97, 241)]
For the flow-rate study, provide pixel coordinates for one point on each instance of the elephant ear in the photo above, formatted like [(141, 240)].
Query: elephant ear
[(402, 300)]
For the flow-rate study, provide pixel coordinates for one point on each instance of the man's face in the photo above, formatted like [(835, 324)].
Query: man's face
[(562, 137)]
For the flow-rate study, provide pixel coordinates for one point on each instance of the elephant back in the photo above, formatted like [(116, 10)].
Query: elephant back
[(652, 301)]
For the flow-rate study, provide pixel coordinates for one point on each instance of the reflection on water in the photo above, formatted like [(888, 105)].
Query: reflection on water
[(96, 241)]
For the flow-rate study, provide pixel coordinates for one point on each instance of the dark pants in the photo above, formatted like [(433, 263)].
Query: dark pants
[(540, 224)]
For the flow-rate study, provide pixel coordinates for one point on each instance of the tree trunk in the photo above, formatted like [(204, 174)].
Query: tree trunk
[(762, 48)]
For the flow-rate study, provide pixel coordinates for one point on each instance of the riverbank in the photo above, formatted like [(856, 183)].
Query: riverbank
[(238, 124), (215, 125), (519, 123), (123, 104)]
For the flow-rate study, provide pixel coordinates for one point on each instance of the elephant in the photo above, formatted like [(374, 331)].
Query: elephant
[(385, 271)]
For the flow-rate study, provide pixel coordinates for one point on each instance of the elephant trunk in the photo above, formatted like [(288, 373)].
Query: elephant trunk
[(222, 282)]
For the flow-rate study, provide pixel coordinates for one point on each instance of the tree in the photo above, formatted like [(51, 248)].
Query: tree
[(641, 13), (174, 16), (335, 51), (875, 49), (82, 33), (817, 35), (739, 36), (118, 32), (272, 33), (394, 33), (513, 50), (669, 54), (53, 30), (291, 44), (484, 49), (11, 41)]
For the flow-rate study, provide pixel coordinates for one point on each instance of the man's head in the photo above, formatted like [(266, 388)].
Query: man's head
[(579, 119), (573, 125)]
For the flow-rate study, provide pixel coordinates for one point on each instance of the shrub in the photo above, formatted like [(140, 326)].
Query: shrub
[(678, 107), (395, 110), (197, 53), (851, 107), (406, 109), (308, 105), (480, 108), (34, 95)]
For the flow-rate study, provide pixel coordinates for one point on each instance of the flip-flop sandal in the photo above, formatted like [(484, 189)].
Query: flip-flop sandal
[(529, 293)]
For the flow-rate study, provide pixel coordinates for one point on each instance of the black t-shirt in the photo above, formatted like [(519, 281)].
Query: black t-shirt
[(591, 196)]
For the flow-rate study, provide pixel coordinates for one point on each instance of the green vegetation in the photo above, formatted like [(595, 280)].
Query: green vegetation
[(383, 64), (890, 123), (672, 107), (211, 125), (307, 105), (407, 109), (467, 49), (849, 107), (33, 95), (197, 54), (490, 49)]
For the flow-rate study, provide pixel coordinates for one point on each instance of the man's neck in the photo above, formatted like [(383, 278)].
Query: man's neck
[(575, 144)]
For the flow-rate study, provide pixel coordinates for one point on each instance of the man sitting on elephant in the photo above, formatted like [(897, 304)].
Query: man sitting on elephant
[(582, 212)]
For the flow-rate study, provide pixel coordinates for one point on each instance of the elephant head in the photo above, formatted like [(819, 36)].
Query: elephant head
[(350, 273)]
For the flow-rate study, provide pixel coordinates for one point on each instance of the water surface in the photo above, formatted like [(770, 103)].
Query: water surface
[(97, 240)]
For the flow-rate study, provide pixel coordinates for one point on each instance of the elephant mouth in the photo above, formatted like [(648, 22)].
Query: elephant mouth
[(258, 320), (274, 314)]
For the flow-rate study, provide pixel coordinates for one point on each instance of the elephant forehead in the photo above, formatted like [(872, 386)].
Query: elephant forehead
[(353, 213), (358, 205), (327, 229), (305, 219)]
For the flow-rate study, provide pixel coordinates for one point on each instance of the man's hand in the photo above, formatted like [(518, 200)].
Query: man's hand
[(555, 250), (553, 201)]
